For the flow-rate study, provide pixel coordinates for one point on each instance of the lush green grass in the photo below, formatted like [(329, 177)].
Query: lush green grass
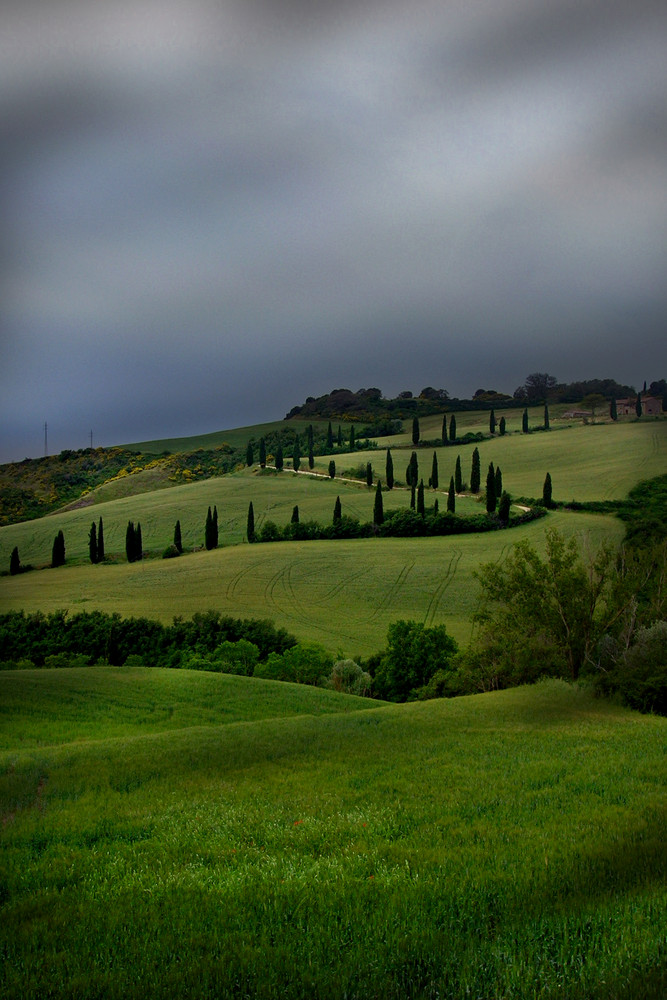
[(44, 707), (343, 594), (237, 437), (507, 845)]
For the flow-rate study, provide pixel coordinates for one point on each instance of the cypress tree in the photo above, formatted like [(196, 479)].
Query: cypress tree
[(492, 421), (412, 473), (296, 454), (378, 509), (279, 460), (311, 455), (502, 426), (434, 472), (295, 515), (451, 497), (458, 478), (338, 511), (250, 523), (524, 421), (93, 551), (413, 491), (638, 405), (504, 507), (262, 453), (613, 412), (130, 545), (546, 417), (389, 470), (58, 551), (249, 457), (139, 548), (178, 541), (452, 429), (14, 562), (332, 469), (421, 509), (369, 475), (436, 507), (491, 499), (415, 431), (329, 437), (309, 436), (215, 527), (546, 491), (444, 429), (208, 530), (340, 437), (475, 472), (100, 542), (499, 482), (352, 439)]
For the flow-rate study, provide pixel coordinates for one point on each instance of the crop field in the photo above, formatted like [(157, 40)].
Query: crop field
[(342, 594), (505, 845)]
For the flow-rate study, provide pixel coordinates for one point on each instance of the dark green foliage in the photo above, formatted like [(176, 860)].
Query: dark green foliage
[(504, 507), (413, 496), (93, 552), (412, 471), (637, 674), (279, 459), (310, 438), (524, 421), (475, 472), (369, 475), (458, 478), (100, 541), (178, 541), (546, 417), (58, 551), (421, 509), (436, 507), (547, 491), (491, 499), (296, 454), (339, 437), (502, 426), (451, 497), (337, 510), (249, 455), (378, 508), (171, 552), (389, 470), (613, 412), (208, 531), (452, 428), (133, 544), (414, 654), (492, 421), (250, 523), (434, 472), (311, 456), (638, 404), (332, 469), (295, 515), (415, 431), (499, 482), (262, 453), (352, 438), (215, 527), (139, 548), (329, 437), (444, 429)]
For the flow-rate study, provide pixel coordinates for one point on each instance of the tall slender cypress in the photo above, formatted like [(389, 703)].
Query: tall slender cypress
[(412, 474), (451, 497), (434, 472), (369, 475), (638, 405), (444, 429), (332, 469), (329, 437), (415, 431), (311, 455), (279, 459), (100, 541), (378, 508), (452, 429), (93, 551), (296, 454), (524, 421), (546, 417), (504, 507), (475, 472), (249, 457), (413, 494), (208, 530), (491, 499), (352, 438), (130, 544), (14, 562), (421, 508), (458, 478), (492, 421), (389, 470), (499, 482), (613, 412), (340, 436), (178, 541), (262, 453), (295, 514), (338, 511), (502, 426), (547, 492), (58, 551), (250, 523), (215, 527), (139, 546)]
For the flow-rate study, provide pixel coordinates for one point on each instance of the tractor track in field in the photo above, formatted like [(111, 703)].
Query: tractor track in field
[(232, 584), (336, 589), (442, 587), (393, 590)]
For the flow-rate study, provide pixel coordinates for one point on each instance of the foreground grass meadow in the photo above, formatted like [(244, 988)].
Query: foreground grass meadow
[(505, 845)]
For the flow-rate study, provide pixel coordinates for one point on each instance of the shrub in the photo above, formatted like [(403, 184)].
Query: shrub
[(171, 552)]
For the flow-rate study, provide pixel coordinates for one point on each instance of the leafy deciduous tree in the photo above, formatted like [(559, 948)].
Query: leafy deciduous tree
[(414, 654)]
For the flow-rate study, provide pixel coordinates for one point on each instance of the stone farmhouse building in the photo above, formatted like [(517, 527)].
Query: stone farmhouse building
[(651, 407)]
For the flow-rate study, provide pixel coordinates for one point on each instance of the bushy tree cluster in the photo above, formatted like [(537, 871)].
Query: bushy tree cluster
[(133, 543)]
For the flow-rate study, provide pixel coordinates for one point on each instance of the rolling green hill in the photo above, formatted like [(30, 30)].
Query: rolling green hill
[(508, 844)]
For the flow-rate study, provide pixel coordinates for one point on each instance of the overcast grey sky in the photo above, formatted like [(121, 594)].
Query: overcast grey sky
[(210, 210)]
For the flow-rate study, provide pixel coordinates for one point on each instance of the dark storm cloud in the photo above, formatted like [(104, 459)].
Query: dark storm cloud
[(225, 207)]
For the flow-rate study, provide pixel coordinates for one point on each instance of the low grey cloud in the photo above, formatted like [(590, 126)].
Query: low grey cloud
[(211, 210)]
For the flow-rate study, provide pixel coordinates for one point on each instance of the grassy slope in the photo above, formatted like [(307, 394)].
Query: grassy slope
[(503, 845)]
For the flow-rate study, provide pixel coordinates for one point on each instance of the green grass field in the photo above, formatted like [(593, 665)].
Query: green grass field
[(505, 845)]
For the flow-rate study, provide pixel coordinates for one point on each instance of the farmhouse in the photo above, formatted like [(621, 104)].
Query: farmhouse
[(651, 407)]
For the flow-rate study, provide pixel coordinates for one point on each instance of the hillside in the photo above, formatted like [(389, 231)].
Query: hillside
[(508, 845)]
